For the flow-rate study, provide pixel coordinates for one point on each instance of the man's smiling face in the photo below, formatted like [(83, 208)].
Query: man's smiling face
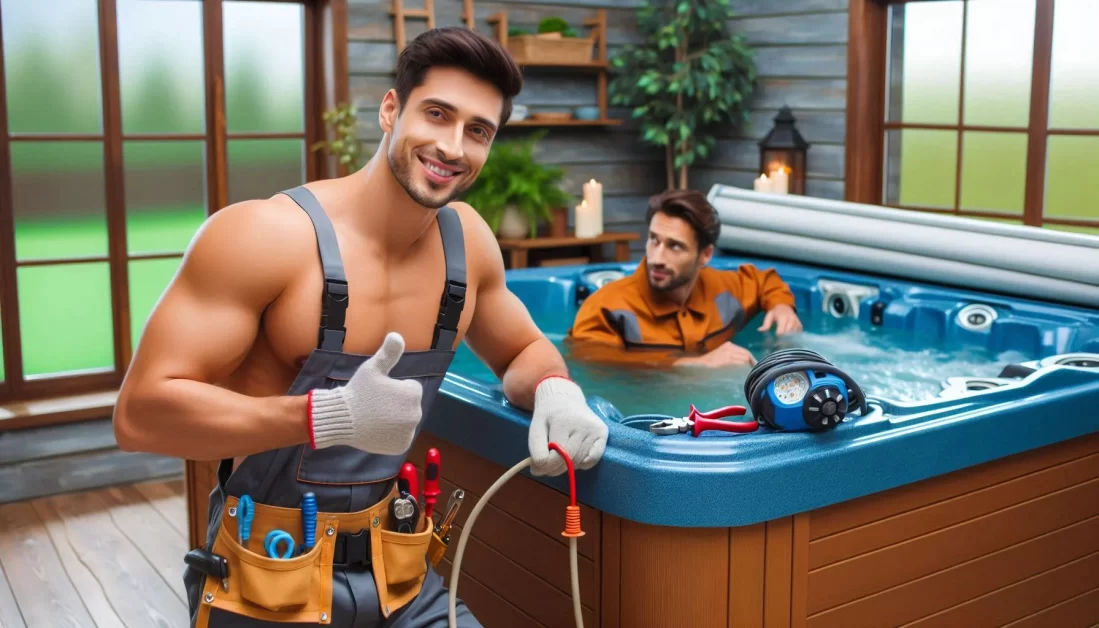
[(440, 138)]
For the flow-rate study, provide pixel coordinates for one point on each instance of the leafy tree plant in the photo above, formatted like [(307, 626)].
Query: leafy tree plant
[(687, 79), (346, 146)]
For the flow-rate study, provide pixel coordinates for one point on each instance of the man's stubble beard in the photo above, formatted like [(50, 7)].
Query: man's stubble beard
[(401, 168)]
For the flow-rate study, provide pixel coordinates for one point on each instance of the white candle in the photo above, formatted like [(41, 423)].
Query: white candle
[(761, 184), (593, 196), (780, 181), (585, 221)]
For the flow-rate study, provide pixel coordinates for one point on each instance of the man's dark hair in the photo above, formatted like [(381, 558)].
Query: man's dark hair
[(459, 47), (692, 206)]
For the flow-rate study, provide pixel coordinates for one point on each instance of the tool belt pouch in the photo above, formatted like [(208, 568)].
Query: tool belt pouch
[(400, 562), (436, 549), (293, 590)]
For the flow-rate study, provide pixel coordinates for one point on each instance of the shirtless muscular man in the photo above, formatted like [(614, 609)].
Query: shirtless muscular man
[(305, 335)]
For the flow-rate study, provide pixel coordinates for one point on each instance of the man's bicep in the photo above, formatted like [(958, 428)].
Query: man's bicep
[(207, 320)]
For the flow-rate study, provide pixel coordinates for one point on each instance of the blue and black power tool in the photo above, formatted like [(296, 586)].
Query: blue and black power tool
[(799, 390)]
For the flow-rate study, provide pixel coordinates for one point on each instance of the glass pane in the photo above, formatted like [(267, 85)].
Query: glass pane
[(1074, 75), (264, 67), (1085, 230), (262, 168), (920, 167), (148, 279), (59, 199), (994, 171), (161, 66), (51, 66), (925, 62), (165, 194), (65, 318), (1071, 192), (999, 47)]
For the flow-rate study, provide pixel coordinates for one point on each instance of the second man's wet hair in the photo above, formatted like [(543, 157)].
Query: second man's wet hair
[(691, 206), (459, 47)]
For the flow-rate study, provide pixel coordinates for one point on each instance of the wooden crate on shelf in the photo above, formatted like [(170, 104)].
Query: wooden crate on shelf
[(551, 48)]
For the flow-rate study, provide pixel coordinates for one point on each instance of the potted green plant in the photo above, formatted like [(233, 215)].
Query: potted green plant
[(688, 79), (514, 193)]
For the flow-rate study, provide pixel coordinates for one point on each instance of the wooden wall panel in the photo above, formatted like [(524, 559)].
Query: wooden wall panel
[(801, 58), (984, 546), (630, 170)]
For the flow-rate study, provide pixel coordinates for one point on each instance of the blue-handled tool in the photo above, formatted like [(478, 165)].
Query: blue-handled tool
[(309, 521), (246, 510), (274, 538)]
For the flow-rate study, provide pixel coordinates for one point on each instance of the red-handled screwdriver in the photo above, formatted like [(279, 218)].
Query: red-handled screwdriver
[(407, 481), (432, 468)]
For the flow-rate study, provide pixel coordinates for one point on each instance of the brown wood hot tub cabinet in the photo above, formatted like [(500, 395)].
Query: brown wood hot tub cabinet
[(1016, 540)]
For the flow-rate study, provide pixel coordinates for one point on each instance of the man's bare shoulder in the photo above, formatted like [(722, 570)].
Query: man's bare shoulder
[(263, 241)]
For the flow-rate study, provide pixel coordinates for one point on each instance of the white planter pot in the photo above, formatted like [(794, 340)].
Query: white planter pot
[(513, 224)]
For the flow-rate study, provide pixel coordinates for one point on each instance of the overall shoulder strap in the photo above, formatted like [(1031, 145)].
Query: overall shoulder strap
[(334, 300), (454, 293)]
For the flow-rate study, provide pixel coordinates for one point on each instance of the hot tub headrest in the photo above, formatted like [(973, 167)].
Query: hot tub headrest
[(1021, 261)]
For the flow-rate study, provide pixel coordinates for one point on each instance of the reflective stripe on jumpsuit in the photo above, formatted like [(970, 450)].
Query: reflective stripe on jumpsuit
[(343, 478)]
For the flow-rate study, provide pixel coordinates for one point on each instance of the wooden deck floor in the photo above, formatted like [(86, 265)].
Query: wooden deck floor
[(106, 558)]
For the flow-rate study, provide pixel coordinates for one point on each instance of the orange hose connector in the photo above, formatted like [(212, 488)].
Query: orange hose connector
[(572, 522), (572, 511)]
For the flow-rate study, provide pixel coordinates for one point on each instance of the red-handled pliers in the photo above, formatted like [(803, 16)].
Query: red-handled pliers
[(697, 422)]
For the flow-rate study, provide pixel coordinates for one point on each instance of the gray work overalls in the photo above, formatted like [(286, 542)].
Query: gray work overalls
[(343, 478)]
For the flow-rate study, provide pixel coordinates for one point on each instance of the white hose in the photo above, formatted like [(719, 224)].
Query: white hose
[(457, 566)]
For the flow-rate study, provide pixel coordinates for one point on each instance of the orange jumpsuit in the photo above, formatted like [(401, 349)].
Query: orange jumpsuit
[(625, 314)]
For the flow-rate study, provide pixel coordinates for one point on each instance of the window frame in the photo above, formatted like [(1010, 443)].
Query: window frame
[(326, 85), (867, 64)]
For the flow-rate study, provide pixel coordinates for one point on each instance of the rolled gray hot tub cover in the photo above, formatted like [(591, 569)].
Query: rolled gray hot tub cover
[(1015, 260)]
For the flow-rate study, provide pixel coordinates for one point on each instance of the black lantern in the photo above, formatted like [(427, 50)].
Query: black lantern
[(783, 152)]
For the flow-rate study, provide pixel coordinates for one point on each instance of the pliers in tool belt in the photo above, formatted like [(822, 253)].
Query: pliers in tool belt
[(697, 422)]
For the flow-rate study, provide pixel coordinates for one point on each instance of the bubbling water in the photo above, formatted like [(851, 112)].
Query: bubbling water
[(886, 363)]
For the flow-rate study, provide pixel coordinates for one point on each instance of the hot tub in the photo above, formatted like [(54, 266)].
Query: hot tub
[(972, 501), (967, 496)]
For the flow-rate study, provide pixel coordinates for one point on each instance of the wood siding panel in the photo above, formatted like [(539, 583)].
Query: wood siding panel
[(677, 573), (788, 7), (1024, 598), (805, 28), (747, 566), (970, 580), (833, 519), (852, 579), (952, 511)]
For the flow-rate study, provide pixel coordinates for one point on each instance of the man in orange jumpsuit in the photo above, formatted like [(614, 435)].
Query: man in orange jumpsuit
[(674, 309)]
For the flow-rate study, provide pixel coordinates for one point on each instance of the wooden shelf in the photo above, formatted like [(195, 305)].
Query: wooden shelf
[(517, 251), (598, 65), (590, 65), (530, 122)]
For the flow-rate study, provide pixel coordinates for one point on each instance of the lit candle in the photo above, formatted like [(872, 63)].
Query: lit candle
[(780, 181), (593, 196), (585, 221), (762, 184)]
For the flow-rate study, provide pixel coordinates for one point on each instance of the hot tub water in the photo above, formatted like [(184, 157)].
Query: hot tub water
[(885, 363)]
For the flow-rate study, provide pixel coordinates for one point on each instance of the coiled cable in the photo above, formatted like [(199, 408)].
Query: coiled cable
[(794, 361)]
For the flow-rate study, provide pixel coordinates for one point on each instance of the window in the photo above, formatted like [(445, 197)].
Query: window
[(982, 108), (124, 124)]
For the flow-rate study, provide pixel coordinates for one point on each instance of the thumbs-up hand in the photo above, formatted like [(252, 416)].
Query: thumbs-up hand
[(373, 412)]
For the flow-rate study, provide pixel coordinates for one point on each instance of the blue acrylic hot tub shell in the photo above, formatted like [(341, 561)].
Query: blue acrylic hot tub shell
[(734, 480)]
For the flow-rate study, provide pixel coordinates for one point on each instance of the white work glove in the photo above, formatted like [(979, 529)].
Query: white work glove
[(373, 412), (562, 416)]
